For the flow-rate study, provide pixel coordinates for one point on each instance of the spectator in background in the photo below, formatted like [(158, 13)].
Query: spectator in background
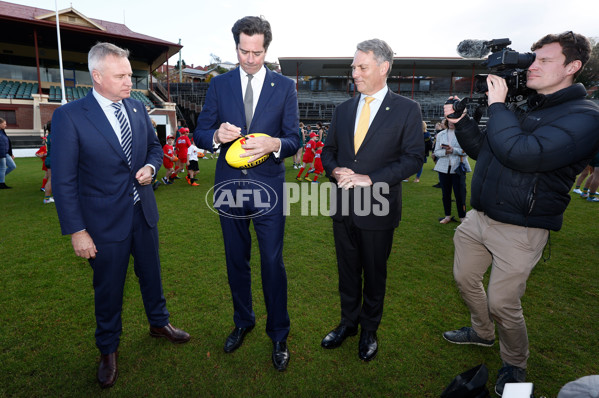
[(450, 158), (589, 191), (42, 153), (428, 142), (587, 172), (48, 163), (7, 162), (297, 158)]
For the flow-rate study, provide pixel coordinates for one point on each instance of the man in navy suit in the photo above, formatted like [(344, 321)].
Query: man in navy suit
[(368, 157), (252, 99), (103, 163)]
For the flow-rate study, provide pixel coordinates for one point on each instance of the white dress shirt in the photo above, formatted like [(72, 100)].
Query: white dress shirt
[(379, 96)]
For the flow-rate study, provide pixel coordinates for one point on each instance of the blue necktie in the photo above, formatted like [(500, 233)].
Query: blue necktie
[(126, 139)]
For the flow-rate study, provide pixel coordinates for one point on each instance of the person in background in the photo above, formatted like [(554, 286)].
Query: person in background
[(452, 166), (48, 198), (41, 153), (7, 162)]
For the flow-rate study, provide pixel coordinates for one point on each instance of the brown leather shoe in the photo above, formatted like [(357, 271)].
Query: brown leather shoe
[(107, 371), (174, 335)]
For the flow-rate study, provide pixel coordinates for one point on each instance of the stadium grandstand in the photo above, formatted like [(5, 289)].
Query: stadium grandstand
[(323, 83), (30, 78), (30, 87)]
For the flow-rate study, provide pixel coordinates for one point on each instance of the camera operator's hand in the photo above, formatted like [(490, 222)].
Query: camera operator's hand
[(497, 89), (448, 110)]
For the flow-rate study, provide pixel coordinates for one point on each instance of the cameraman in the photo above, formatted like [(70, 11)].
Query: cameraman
[(527, 161)]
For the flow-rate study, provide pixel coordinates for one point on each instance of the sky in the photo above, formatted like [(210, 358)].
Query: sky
[(325, 28)]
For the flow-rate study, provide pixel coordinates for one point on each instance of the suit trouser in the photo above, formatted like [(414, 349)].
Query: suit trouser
[(269, 229), (512, 252), (110, 271), (361, 251)]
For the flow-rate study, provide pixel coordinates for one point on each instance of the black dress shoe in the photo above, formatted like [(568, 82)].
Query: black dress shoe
[(280, 355), (107, 371), (174, 335), (368, 346), (337, 336), (236, 338)]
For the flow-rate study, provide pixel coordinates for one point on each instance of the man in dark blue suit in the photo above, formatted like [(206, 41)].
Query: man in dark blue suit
[(105, 153), (374, 142), (252, 99)]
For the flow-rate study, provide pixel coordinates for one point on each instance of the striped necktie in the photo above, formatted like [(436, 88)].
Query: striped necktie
[(126, 139)]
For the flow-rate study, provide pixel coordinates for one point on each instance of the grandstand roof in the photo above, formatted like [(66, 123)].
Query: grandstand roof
[(402, 66), (79, 32)]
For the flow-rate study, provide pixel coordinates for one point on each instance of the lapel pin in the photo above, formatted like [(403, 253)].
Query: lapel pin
[(135, 110), (387, 108), (272, 84)]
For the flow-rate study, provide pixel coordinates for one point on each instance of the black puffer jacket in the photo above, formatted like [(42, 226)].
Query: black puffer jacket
[(527, 160)]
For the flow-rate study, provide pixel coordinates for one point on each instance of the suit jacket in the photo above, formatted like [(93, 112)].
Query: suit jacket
[(276, 114), (91, 178), (392, 150)]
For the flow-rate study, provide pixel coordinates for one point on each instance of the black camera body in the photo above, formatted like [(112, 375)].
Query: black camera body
[(508, 64), (503, 62)]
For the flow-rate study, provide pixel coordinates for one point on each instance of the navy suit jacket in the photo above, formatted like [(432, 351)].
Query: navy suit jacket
[(392, 150), (91, 178), (276, 114)]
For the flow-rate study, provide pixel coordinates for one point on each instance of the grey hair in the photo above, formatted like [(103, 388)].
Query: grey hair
[(381, 50), (98, 52)]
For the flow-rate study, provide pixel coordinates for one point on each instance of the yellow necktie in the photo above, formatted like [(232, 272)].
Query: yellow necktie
[(362, 123)]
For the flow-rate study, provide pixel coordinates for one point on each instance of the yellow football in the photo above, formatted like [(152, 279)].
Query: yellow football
[(233, 158)]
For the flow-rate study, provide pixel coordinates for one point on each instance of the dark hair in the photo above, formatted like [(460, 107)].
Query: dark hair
[(574, 46), (252, 26)]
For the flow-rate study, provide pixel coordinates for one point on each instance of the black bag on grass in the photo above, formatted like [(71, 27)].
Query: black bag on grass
[(470, 384)]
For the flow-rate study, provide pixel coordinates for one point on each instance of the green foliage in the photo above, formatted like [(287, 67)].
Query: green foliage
[(47, 313), (590, 74)]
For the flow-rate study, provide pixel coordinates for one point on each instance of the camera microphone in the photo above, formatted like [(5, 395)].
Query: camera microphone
[(473, 48)]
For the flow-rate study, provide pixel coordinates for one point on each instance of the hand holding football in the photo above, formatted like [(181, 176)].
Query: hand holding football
[(233, 157)]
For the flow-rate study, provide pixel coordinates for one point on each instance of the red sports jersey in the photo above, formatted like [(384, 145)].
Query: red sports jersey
[(309, 151), (42, 153), (318, 162), (182, 144), (170, 151)]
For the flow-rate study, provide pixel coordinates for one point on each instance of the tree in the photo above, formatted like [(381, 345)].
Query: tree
[(590, 74), (183, 63)]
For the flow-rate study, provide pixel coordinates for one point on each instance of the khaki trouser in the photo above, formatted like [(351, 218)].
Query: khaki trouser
[(512, 252)]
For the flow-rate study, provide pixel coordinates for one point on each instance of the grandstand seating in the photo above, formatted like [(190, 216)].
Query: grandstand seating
[(17, 90), (75, 93)]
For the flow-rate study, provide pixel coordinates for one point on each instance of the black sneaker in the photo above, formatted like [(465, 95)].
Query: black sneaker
[(509, 374), (466, 335)]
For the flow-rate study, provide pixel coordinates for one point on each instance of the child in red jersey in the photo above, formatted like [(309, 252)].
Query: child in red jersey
[(182, 144), (168, 159), (42, 153), (318, 169), (309, 151)]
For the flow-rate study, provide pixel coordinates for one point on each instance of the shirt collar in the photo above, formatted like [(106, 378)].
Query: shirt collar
[(379, 95), (103, 101), (259, 76)]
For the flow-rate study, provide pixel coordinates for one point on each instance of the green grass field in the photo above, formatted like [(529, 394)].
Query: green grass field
[(47, 315)]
